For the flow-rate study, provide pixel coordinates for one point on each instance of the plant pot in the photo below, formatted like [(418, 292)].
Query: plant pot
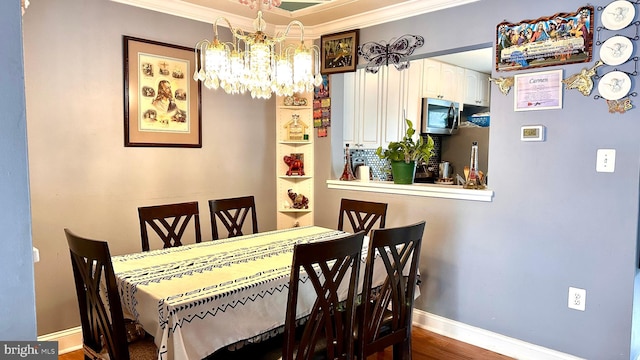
[(402, 172)]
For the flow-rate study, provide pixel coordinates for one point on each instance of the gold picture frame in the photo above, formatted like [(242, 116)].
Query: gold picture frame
[(339, 52), (161, 99)]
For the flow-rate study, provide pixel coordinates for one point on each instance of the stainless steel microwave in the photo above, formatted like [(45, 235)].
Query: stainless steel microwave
[(439, 116)]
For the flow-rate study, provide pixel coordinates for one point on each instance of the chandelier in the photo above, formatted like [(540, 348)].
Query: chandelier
[(256, 62)]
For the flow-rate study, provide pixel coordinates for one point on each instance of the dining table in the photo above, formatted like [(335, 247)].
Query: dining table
[(196, 299)]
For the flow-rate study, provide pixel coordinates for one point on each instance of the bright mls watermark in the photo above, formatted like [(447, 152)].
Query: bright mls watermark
[(41, 350)]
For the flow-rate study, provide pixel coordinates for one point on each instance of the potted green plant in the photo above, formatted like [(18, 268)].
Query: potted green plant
[(403, 155)]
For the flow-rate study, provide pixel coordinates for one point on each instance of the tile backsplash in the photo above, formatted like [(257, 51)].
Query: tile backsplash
[(379, 167)]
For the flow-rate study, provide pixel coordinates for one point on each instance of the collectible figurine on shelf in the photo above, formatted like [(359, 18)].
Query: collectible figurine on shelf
[(299, 201), (296, 128), (296, 166)]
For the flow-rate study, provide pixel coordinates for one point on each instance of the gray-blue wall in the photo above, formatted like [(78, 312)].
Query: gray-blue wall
[(82, 177), (554, 222), (17, 297), (504, 266)]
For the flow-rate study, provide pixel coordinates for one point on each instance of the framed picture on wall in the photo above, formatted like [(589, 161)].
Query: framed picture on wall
[(559, 39), (161, 99), (538, 91), (338, 52)]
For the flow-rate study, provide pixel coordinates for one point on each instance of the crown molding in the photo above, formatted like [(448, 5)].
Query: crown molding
[(371, 18), (384, 15), (193, 12)]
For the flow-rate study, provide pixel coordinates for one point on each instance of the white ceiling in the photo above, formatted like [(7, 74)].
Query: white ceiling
[(318, 16)]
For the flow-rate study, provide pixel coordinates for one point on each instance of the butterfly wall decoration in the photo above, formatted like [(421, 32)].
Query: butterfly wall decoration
[(621, 106), (395, 53)]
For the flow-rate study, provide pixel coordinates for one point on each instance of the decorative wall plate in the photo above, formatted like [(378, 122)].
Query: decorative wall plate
[(616, 50), (618, 15), (614, 85)]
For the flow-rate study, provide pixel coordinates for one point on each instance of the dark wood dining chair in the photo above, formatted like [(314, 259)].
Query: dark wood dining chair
[(327, 332), (169, 221), (327, 264), (232, 213), (362, 215), (104, 334), (385, 314)]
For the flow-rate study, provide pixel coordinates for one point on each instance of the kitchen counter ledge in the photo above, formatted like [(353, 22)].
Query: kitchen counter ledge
[(428, 190)]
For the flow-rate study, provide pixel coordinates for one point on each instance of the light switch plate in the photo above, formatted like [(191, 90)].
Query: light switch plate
[(606, 160)]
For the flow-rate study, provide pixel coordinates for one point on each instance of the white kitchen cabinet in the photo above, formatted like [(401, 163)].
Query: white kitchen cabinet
[(413, 98), (402, 100), (476, 88), (441, 80), (349, 104), (362, 109), (375, 105), (393, 105), (370, 88)]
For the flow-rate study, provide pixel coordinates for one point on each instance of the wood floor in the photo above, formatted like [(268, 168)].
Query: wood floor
[(426, 346)]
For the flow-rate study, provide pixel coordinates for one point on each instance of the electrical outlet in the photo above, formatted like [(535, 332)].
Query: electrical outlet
[(577, 298)]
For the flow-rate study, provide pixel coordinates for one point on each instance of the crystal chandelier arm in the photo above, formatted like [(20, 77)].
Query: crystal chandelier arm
[(283, 36), (215, 25), (199, 58), (315, 49), (236, 33), (295, 22)]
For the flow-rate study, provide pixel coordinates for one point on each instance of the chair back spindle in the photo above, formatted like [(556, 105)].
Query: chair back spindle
[(232, 214), (385, 315), (169, 222), (362, 215), (103, 324), (328, 266)]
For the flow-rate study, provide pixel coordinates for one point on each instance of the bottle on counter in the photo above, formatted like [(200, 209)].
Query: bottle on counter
[(347, 172), (473, 180)]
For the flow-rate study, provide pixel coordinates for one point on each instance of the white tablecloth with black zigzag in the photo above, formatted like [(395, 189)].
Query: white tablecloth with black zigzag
[(195, 299)]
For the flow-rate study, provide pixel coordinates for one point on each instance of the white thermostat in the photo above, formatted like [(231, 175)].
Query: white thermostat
[(532, 133)]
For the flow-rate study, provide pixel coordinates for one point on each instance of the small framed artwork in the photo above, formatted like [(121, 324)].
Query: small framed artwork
[(532, 133), (161, 99), (338, 52), (538, 91)]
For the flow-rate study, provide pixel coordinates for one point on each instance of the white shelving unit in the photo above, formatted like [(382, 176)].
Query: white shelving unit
[(287, 216)]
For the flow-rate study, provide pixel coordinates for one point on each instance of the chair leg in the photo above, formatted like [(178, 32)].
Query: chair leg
[(407, 348), (402, 351)]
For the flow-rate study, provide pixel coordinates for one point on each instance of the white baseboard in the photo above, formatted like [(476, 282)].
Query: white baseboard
[(68, 340), (71, 339), (486, 339)]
